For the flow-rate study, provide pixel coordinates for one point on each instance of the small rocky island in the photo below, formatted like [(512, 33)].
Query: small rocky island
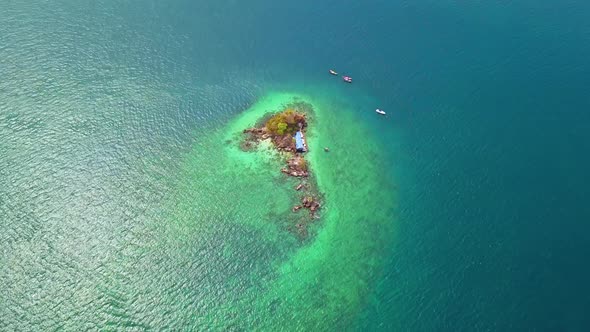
[(286, 130)]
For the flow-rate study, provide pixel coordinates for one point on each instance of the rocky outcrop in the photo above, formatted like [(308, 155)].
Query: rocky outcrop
[(310, 203), (297, 167), (283, 143), (295, 173)]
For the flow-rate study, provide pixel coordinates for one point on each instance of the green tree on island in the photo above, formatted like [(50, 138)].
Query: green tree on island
[(281, 128), (286, 122)]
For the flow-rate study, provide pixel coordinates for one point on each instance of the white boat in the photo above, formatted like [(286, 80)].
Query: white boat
[(380, 111)]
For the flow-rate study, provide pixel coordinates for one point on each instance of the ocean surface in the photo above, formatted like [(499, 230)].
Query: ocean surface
[(126, 204)]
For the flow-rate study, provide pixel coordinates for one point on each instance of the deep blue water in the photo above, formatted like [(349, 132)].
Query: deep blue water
[(497, 140), (489, 128)]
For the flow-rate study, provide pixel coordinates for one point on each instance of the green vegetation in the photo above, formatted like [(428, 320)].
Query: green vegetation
[(281, 128), (285, 123), (303, 164)]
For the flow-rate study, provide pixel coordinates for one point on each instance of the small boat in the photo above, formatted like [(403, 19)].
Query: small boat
[(347, 79), (380, 111), (333, 72)]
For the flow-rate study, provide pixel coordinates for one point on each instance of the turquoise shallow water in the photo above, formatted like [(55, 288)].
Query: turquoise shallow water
[(122, 206)]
